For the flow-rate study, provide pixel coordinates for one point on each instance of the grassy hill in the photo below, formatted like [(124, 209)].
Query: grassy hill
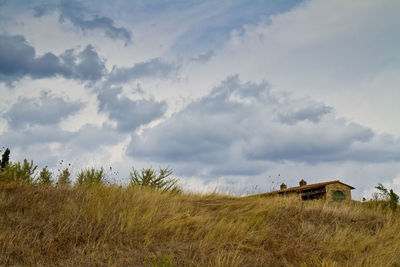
[(111, 225)]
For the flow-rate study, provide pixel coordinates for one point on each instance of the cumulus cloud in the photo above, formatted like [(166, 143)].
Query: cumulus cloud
[(85, 65), (239, 127), (79, 16), (18, 59), (44, 110), (129, 114)]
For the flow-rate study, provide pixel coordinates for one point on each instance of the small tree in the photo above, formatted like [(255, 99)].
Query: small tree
[(45, 176), (90, 177), (5, 158), (64, 177), (158, 181), (388, 195)]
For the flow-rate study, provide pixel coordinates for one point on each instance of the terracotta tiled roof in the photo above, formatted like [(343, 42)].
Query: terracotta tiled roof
[(310, 186)]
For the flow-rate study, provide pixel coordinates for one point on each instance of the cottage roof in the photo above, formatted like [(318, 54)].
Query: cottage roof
[(310, 186)]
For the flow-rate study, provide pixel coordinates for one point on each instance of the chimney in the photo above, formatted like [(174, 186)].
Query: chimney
[(302, 182), (283, 186)]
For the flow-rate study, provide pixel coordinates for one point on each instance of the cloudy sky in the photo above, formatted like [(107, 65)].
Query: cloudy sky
[(236, 96)]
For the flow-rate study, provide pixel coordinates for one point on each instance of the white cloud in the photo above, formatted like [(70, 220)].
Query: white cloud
[(339, 52)]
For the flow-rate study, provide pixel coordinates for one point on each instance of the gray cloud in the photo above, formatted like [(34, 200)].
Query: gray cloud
[(18, 59), (91, 137), (154, 68), (328, 141), (129, 114), (239, 127), (44, 110), (296, 113), (88, 137), (90, 66), (38, 134), (204, 57), (80, 17), (41, 10)]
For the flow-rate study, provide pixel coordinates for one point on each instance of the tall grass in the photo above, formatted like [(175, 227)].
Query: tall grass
[(135, 226)]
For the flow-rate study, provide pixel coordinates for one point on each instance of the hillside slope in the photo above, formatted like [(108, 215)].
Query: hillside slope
[(110, 225)]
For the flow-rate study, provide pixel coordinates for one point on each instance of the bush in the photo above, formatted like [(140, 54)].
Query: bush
[(45, 176), (150, 178), (91, 176), (64, 177), (19, 172), (389, 197)]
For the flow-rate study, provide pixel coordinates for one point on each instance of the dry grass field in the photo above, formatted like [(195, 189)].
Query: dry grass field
[(127, 226)]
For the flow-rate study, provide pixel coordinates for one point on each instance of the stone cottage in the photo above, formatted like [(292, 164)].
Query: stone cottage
[(332, 190)]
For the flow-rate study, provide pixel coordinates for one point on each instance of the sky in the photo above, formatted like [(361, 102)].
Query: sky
[(234, 96)]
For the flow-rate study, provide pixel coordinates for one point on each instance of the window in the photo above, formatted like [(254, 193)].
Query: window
[(338, 195)]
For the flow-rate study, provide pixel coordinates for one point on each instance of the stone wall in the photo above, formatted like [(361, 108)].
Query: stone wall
[(330, 188)]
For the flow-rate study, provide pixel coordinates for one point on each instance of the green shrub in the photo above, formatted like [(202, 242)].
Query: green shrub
[(91, 176), (19, 172), (158, 181), (45, 176)]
